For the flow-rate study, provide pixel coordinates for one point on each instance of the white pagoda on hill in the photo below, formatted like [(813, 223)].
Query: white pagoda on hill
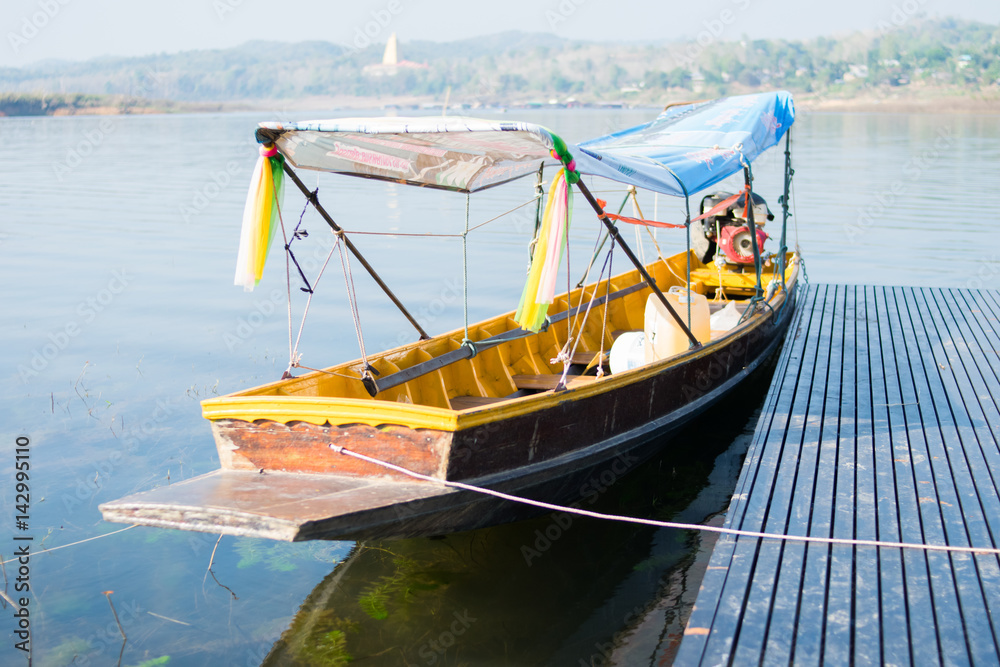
[(391, 64)]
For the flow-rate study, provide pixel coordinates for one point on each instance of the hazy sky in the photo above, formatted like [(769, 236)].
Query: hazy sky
[(36, 30)]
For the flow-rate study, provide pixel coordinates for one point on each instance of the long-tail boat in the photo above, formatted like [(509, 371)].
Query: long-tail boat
[(523, 402)]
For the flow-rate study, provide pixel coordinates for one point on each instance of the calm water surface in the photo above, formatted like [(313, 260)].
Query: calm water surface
[(117, 247)]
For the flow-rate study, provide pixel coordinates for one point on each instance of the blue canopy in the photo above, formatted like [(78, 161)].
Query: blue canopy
[(690, 147)]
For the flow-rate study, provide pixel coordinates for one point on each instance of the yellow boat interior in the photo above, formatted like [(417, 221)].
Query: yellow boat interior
[(515, 368)]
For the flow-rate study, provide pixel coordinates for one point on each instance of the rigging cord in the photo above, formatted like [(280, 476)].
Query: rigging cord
[(637, 212), (607, 307), (345, 262), (652, 236), (293, 348), (720, 261), (795, 220), (465, 274), (288, 283), (329, 372), (296, 355), (308, 289), (583, 291), (583, 322), (565, 356), (667, 524), (798, 249)]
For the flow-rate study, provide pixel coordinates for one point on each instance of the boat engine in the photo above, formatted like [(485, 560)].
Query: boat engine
[(728, 229)]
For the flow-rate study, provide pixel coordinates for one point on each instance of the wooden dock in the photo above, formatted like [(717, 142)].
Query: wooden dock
[(881, 423)]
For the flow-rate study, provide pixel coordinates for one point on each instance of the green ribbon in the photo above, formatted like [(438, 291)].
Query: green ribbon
[(559, 146)]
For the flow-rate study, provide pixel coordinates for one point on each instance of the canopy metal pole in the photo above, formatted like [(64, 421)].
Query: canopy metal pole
[(314, 200), (687, 232), (635, 260), (753, 229), (783, 248), (539, 194)]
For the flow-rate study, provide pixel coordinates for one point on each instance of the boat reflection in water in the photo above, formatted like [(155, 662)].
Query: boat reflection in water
[(553, 590)]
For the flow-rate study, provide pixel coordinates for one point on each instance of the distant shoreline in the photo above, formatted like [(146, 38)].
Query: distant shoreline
[(929, 102)]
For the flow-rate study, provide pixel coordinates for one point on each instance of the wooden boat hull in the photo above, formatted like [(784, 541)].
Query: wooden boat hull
[(304, 506), (283, 481)]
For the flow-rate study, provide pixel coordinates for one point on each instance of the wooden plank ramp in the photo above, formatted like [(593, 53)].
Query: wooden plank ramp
[(882, 423)]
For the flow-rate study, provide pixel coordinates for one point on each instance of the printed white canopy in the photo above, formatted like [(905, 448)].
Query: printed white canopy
[(686, 149)]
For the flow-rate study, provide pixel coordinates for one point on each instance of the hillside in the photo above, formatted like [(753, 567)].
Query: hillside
[(921, 59)]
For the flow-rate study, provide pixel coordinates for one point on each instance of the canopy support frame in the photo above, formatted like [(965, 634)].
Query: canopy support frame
[(613, 230)]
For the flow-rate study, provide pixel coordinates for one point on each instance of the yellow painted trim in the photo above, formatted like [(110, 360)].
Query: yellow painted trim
[(318, 410)]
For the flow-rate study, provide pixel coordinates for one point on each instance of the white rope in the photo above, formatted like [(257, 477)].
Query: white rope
[(669, 524), (637, 213), (565, 354), (465, 269), (73, 544), (352, 299), (607, 307), (576, 318)]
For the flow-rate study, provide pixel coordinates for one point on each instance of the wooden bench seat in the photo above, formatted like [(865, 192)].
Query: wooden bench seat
[(586, 356), (523, 382)]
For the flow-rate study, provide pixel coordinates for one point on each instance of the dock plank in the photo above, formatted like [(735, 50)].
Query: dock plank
[(867, 603), (839, 631), (813, 600), (892, 588), (882, 422), (906, 446)]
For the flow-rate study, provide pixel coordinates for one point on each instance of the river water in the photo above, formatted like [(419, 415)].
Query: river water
[(118, 240)]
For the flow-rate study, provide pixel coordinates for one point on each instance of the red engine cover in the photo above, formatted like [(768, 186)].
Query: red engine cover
[(737, 243)]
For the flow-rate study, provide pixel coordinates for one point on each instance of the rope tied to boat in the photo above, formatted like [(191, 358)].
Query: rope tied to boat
[(567, 353), (637, 221), (809, 539), (465, 274), (367, 370), (296, 356)]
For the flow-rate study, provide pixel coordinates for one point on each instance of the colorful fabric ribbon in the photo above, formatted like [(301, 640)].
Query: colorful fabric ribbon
[(260, 217), (540, 288)]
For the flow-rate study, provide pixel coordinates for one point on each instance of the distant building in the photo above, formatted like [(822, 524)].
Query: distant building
[(391, 64), (856, 72)]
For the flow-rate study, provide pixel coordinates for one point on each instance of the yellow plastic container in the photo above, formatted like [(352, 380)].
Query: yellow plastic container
[(664, 337)]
